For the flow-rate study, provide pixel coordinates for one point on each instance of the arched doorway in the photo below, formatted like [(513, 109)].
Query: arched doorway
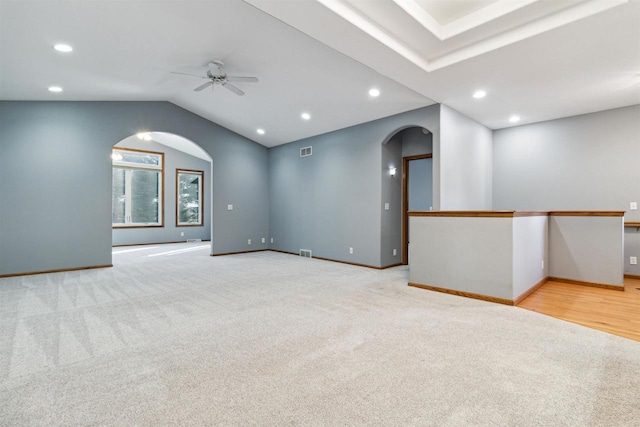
[(407, 152), (162, 188)]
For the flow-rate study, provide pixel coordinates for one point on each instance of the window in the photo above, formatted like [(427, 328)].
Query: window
[(137, 191), (189, 197)]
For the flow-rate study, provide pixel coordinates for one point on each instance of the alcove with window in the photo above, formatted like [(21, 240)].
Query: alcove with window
[(158, 190)]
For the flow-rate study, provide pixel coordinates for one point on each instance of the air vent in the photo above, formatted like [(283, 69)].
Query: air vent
[(305, 253), (306, 151)]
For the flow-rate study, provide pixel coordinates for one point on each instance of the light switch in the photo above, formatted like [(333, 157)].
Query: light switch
[(229, 207), (633, 206)]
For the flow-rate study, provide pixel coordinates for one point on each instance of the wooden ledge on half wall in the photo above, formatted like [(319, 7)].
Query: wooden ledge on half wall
[(514, 214), (586, 213), (477, 214)]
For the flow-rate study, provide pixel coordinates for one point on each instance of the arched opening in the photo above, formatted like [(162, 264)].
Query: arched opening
[(407, 186), (162, 190)]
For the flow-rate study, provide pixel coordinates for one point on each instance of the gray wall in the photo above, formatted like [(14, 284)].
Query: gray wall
[(420, 195), (631, 248), (586, 248), (55, 176), (464, 254), (465, 156), (173, 159), (501, 257), (55, 179), (333, 200), (416, 142), (587, 162), (391, 220), (530, 249)]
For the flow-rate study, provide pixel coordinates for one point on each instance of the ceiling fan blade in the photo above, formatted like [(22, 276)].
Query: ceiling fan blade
[(242, 79), (203, 86), (190, 75), (233, 89)]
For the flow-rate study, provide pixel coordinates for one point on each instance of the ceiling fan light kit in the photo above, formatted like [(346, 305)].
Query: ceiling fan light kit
[(217, 76)]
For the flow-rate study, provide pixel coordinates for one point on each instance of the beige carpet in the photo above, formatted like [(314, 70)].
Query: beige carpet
[(274, 339)]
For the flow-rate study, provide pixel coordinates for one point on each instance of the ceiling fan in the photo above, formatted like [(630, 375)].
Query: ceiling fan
[(216, 76)]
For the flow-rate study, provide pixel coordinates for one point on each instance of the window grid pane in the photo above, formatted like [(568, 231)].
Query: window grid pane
[(138, 158), (189, 198), (118, 196), (144, 197)]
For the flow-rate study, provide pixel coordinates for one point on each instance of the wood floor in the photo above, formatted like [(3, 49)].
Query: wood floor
[(608, 310)]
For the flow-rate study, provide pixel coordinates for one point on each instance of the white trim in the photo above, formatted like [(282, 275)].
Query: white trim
[(527, 30), (464, 24)]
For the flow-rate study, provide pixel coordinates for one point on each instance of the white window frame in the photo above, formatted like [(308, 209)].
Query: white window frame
[(131, 166)]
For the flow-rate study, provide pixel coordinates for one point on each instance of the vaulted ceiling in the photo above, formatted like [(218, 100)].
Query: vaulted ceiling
[(536, 59)]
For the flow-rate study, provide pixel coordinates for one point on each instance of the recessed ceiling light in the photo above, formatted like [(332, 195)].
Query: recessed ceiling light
[(55, 89), (514, 119), (305, 116), (60, 47), (374, 92), (260, 131), (479, 94)]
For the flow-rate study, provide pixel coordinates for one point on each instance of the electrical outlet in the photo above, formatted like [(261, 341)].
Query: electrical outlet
[(229, 207), (542, 264), (272, 240), (395, 252), (633, 260), (633, 206), (264, 240), (351, 250), (249, 241), (386, 206)]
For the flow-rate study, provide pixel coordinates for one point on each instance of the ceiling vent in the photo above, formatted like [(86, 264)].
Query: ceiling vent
[(305, 253), (305, 152)]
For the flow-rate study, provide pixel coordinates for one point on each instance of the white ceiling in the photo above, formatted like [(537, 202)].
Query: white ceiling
[(126, 50), (445, 12), (539, 59)]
